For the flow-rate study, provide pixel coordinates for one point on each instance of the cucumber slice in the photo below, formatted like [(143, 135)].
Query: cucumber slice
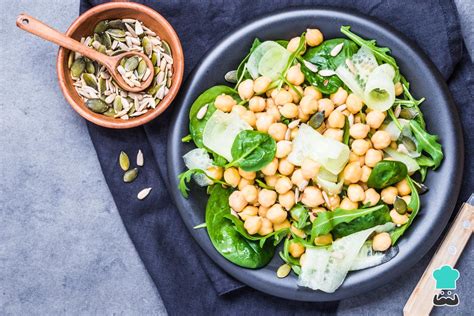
[(198, 159), (273, 62), (259, 52)]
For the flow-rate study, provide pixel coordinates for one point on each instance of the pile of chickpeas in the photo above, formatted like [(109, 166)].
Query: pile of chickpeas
[(265, 210)]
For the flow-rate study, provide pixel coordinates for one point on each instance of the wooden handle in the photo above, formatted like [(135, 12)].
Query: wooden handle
[(421, 300), (38, 28)]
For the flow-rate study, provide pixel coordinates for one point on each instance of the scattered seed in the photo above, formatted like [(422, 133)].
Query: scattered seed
[(140, 158), (202, 112), (400, 205), (397, 111), (124, 161), (143, 193), (293, 124), (297, 195), (130, 175), (327, 72), (337, 49), (283, 270), (351, 66), (326, 198), (231, 76), (310, 66), (341, 108)]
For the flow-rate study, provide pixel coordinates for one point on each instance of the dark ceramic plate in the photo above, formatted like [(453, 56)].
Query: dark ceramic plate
[(441, 118)]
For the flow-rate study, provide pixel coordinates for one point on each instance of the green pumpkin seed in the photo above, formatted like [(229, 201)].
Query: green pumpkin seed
[(147, 45), (400, 205), (90, 80), (102, 26), (408, 143), (283, 270), (90, 68), (118, 105), (130, 175), (124, 161), (70, 60), (98, 38), (102, 49), (316, 120), (117, 24), (166, 47), (110, 112), (131, 111), (131, 63), (78, 67), (157, 70), (408, 113), (97, 105), (141, 68), (106, 40), (116, 33), (154, 58), (102, 85), (153, 90)]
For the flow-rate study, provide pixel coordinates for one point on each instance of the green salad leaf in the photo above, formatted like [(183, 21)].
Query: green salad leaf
[(185, 178), (345, 136), (424, 163), (227, 241), (252, 150), (386, 173), (285, 256), (414, 205), (326, 85), (242, 72), (375, 218), (321, 54), (196, 126), (301, 215), (428, 143)]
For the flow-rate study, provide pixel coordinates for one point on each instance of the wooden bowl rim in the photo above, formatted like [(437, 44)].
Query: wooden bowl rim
[(178, 67)]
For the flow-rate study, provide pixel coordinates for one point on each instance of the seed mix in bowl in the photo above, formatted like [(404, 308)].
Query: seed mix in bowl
[(96, 86)]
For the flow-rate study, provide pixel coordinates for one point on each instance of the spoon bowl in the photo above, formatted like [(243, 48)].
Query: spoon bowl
[(113, 70)]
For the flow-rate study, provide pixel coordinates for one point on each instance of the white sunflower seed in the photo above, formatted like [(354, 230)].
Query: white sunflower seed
[(310, 66), (326, 72), (351, 66), (138, 28), (341, 108), (202, 112), (326, 198), (337, 49), (143, 193), (297, 195), (293, 124), (140, 158), (397, 111)]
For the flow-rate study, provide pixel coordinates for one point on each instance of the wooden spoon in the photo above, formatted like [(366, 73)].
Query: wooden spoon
[(38, 28)]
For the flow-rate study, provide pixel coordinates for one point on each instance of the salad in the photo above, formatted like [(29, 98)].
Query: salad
[(319, 147)]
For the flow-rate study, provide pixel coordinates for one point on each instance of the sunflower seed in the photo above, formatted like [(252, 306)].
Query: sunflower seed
[(288, 134), (143, 193), (351, 66), (283, 270), (337, 49), (327, 72), (310, 66), (341, 108), (138, 28), (297, 195), (124, 162), (293, 124), (140, 158), (202, 112), (326, 198), (397, 110)]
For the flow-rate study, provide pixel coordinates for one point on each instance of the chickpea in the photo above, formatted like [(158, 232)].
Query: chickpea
[(296, 249), (224, 102), (309, 168), (275, 113), (398, 89), (248, 211), (297, 177), (339, 97), (269, 103), (360, 147), (375, 118), (393, 145), (276, 214), (297, 232), (237, 201), (277, 131), (287, 200), (271, 180), (250, 175), (245, 89), (250, 118), (403, 187), (334, 201), (257, 104), (244, 182), (371, 197), (359, 130), (302, 116), (294, 75), (381, 139), (312, 197), (381, 241), (262, 211), (283, 185), (365, 173), (261, 84), (285, 167), (250, 193), (389, 194), (232, 176), (283, 97), (336, 119), (372, 157), (266, 228), (283, 148), (271, 168), (397, 218), (314, 213), (267, 197), (353, 157), (273, 94), (336, 134), (293, 44), (239, 109), (354, 103), (263, 122), (312, 91), (326, 105), (347, 204), (289, 110), (314, 37), (355, 193), (215, 172), (252, 224), (323, 240), (309, 105), (285, 224), (407, 199), (352, 172)]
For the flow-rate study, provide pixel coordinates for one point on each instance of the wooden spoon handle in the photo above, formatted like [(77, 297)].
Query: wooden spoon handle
[(38, 28)]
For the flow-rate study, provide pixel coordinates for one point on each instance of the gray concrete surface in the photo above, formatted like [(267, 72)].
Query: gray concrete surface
[(63, 248)]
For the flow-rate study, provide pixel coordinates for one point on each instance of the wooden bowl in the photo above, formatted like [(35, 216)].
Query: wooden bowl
[(84, 26)]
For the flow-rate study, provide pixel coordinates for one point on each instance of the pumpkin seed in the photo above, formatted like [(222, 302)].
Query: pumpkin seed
[(118, 106), (283, 270), (106, 40), (147, 45), (408, 113), (116, 33), (400, 205), (90, 68), (131, 63), (78, 67), (70, 60), (97, 105), (316, 120), (231, 76), (154, 58), (89, 80), (142, 67), (102, 26), (143, 193), (110, 112), (140, 159), (409, 143), (130, 175), (117, 24), (166, 47), (102, 85), (124, 162)]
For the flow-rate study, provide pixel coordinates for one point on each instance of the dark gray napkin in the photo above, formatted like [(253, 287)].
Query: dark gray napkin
[(185, 277)]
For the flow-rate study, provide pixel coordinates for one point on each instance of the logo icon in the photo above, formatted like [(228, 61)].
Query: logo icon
[(446, 277)]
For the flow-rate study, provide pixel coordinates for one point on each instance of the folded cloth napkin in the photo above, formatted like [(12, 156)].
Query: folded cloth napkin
[(186, 278)]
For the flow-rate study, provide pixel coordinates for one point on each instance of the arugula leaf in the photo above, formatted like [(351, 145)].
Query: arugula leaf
[(326, 221), (185, 178), (252, 150), (375, 218), (321, 54), (285, 256), (242, 72), (414, 205), (424, 163), (428, 143)]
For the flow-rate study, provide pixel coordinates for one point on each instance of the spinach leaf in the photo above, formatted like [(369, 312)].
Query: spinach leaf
[(326, 221), (414, 205), (196, 126), (428, 143), (227, 241), (242, 72), (386, 173), (252, 150), (321, 54), (283, 43), (326, 85), (375, 218), (185, 178)]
